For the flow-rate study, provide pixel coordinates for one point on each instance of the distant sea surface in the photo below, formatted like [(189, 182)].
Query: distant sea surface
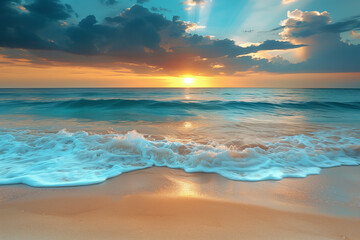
[(71, 137)]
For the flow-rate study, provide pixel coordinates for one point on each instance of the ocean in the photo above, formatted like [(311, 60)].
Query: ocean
[(73, 137)]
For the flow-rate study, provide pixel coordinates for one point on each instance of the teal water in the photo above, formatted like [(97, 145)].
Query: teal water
[(70, 137)]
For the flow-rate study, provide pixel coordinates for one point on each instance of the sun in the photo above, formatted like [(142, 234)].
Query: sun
[(188, 81)]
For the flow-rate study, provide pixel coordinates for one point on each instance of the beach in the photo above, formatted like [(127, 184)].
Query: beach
[(162, 203), (179, 120), (179, 164)]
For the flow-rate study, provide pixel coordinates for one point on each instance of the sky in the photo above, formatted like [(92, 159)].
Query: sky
[(157, 43)]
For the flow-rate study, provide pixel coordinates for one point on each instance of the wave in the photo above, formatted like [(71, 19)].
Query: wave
[(43, 159), (200, 105)]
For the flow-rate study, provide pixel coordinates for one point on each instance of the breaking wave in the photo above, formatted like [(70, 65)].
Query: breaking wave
[(44, 159)]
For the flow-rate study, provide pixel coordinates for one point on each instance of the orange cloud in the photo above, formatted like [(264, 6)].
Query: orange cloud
[(193, 3), (354, 34), (25, 75), (288, 1)]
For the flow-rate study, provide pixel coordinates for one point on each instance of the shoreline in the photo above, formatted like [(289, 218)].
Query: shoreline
[(162, 203)]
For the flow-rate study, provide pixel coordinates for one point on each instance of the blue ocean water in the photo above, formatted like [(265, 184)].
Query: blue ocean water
[(70, 137)]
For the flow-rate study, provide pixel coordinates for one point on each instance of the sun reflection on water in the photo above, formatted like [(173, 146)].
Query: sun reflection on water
[(188, 125)]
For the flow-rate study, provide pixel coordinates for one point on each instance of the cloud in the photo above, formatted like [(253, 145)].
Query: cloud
[(160, 9), (205, 47), (284, 2), (193, 3), (344, 26), (306, 24), (354, 34), (325, 51), (137, 37), (144, 41), (20, 26), (198, 1), (51, 9)]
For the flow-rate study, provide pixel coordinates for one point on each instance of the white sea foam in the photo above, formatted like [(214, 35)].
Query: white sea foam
[(69, 159)]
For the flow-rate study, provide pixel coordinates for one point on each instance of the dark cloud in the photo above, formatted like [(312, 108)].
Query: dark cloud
[(20, 26), (142, 37), (135, 33), (206, 47), (136, 36), (147, 41), (175, 18), (277, 28), (88, 22), (272, 45), (51, 9), (343, 26), (159, 9)]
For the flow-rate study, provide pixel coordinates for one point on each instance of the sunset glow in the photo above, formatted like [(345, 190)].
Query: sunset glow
[(188, 81), (206, 100), (119, 44)]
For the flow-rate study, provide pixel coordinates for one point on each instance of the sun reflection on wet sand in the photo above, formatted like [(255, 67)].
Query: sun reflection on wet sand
[(183, 188), (308, 195)]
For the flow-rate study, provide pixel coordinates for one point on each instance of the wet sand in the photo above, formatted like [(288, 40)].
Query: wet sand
[(161, 203)]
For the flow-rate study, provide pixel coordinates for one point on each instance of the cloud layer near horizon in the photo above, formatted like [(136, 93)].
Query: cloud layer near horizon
[(144, 41)]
